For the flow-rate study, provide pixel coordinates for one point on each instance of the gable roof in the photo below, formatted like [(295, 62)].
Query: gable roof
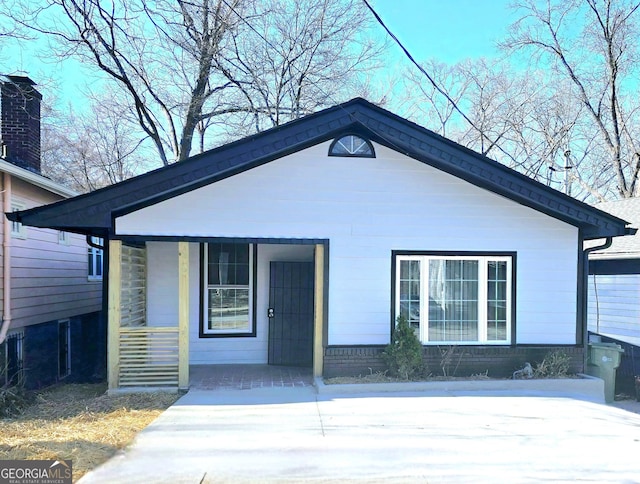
[(622, 247), (93, 213)]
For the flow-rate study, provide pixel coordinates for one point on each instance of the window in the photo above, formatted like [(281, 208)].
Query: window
[(63, 237), (228, 274), (94, 260), (13, 362), (64, 348), (456, 299), (17, 229), (352, 145)]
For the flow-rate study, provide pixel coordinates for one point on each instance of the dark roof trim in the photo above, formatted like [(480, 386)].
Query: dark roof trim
[(614, 266), (94, 212)]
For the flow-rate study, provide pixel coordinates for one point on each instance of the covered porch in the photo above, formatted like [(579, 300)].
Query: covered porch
[(147, 352), (246, 377)]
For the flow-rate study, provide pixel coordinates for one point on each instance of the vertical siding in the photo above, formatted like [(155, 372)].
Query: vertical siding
[(162, 284), (614, 304), (369, 207), (48, 279), (133, 286)]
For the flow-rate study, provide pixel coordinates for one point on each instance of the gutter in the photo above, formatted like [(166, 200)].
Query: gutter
[(36, 179), (585, 291), (6, 258)]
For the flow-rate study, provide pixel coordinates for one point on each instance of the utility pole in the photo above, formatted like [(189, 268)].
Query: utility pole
[(567, 167)]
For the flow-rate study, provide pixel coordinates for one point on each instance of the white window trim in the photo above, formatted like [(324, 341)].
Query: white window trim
[(205, 317), (63, 237), (94, 258), (482, 296), (18, 230)]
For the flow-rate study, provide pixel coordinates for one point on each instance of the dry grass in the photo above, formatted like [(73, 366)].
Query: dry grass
[(377, 377), (81, 423), (382, 377)]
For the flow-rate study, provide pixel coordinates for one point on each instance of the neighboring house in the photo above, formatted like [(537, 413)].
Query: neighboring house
[(614, 279), (614, 293), (301, 245), (51, 328)]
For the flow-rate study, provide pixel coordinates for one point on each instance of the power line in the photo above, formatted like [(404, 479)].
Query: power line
[(432, 81), (328, 95)]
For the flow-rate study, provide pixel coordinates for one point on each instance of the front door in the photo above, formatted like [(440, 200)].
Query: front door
[(291, 313)]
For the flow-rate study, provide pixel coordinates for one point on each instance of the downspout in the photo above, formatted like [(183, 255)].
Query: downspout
[(6, 256), (104, 312), (585, 293)]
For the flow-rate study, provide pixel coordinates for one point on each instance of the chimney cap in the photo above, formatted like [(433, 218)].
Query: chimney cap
[(20, 79)]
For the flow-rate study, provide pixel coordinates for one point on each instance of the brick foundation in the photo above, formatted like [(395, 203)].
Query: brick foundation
[(496, 361)]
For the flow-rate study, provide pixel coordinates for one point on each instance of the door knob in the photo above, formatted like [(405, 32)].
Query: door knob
[(270, 312)]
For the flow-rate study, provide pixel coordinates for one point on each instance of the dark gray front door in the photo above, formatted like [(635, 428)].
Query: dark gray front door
[(291, 314)]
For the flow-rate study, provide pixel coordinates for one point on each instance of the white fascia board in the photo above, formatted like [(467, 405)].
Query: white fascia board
[(37, 180)]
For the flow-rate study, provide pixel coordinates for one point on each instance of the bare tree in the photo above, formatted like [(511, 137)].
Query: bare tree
[(188, 67), (294, 57), (161, 54), (91, 150), (426, 105), (592, 44)]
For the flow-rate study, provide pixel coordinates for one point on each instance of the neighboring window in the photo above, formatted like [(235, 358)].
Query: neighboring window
[(94, 260), (456, 299), (17, 229), (352, 145), (13, 363), (64, 348), (228, 270), (63, 237)]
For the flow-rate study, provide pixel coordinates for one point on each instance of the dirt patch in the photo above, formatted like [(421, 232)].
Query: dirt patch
[(81, 423)]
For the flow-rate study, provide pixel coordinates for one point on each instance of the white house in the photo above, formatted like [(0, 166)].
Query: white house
[(301, 245)]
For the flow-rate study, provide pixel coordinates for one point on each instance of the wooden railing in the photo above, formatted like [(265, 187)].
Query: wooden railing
[(148, 356)]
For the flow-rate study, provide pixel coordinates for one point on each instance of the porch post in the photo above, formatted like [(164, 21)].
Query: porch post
[(183, 315), (113, 309), (318, 311)]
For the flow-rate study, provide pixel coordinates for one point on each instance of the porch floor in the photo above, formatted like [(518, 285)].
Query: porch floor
[(245, 377)]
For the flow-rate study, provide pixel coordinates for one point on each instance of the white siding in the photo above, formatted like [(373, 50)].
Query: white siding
[(162, 297), (614, 304), (369, 207)]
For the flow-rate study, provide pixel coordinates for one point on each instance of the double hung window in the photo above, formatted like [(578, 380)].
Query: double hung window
[(17, 229), (456, 299), (94, 260), (228, 294)]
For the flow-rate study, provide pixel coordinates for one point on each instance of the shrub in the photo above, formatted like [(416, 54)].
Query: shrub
[(13, 398), (403, 355), (554, 365)]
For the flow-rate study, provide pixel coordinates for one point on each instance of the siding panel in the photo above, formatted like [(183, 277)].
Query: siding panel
[(614, 304), (369, 207), (49, 279)]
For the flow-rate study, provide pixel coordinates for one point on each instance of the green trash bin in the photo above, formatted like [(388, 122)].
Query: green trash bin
[(602, 361)]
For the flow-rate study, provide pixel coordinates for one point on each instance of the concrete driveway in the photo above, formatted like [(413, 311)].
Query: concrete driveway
[(294, 435)]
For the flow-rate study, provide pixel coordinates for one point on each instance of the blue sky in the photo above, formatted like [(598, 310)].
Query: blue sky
[(448, 30)]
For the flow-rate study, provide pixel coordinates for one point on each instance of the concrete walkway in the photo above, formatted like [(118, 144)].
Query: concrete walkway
[(296, 435)]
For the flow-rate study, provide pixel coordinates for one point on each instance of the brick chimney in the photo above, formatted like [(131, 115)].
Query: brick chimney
[(20, 122)]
